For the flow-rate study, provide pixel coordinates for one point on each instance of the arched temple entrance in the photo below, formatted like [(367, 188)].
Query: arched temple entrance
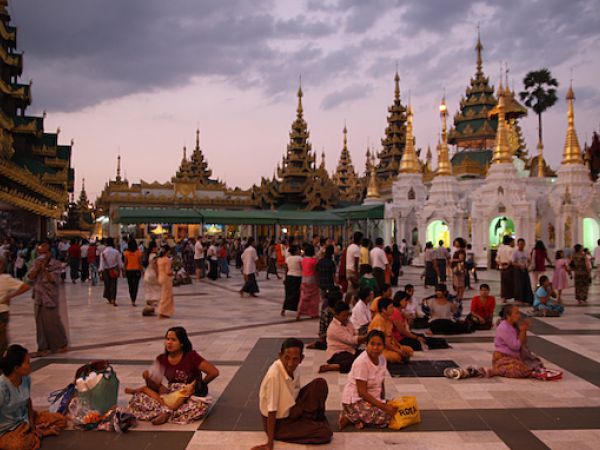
[(438, 231), (499, 227), (591, 233)]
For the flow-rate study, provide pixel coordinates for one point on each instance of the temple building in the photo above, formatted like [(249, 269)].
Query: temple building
[(35, 170), (190, 187), (81, 218)]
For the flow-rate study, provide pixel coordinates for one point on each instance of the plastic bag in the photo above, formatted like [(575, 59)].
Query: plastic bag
[(408, 412)]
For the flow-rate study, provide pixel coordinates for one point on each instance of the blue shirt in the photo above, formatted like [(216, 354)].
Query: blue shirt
[(539, 293), (14, 402)]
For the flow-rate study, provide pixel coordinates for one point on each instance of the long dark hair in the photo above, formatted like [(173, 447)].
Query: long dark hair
[(12, 358), (182, 337), (539, 245)]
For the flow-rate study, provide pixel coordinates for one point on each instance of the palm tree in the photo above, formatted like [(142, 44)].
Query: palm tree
[(539, 93)]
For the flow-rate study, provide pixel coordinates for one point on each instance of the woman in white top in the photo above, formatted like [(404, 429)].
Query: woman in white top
[(151, 284), (293, 280), (363, 399)]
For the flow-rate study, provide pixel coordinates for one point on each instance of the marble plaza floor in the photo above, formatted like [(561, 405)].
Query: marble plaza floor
[(241, 337)]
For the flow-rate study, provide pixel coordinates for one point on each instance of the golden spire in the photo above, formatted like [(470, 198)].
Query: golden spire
[(118, 179), (397, 85), (444, 167), (479, 48), (345, 131), (372, 187), (428, 157), (184, 153), (198, 138), (572, 151), (502, 153), (409, 162), (299, 110)]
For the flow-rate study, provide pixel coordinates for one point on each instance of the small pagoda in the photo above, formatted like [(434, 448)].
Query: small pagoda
[(35, 171), (394, 141), (81, 217), (345, 177)]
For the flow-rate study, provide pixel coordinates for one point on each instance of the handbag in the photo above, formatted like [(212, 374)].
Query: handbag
[(103, 396), (408, 412)]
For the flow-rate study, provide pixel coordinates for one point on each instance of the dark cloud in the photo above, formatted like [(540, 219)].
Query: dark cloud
[(345, 95), (81, 52)]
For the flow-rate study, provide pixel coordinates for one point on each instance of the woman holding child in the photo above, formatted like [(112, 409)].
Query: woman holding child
[(183, 368)]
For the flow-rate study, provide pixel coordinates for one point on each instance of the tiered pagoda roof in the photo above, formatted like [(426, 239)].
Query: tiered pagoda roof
[(394, 141), (35, 171), (345, 177), (195, 169)]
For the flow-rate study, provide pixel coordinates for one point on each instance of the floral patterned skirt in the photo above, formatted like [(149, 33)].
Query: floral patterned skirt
[(509, 366), (146, 408), (364, 412)]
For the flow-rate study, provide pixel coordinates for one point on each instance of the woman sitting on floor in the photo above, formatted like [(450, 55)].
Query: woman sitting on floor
[(342, 341), (482, 309), (181, 366), (443, 311), (402, 331), (393, 351), (511, 357), (545, 299), (363, 398), (21, 428)]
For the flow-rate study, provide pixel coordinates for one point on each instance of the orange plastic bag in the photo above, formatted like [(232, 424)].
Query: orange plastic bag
[(408, 412)]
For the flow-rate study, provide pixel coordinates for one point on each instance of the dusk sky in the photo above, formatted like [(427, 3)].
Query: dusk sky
[(138, 76)]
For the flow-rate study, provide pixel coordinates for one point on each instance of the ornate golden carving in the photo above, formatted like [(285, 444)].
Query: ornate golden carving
[(27, 179), (11, 60), (27, 202)]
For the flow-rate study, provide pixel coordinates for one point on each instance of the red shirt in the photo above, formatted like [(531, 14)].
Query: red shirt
[(91, 257), (397, 315), (74, 251), (185, 371), (486, 311)]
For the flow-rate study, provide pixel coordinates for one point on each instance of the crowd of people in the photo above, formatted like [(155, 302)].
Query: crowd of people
[(364, 326)]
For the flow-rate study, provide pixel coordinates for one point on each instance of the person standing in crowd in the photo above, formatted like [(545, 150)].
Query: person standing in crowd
[(352, 266), (85, 267), (597, 259), (290, 413), (224, 257), (403, 249), (364, 256), (325, 270), (166, 305), (459, 273), (92, 260), (199, 258), (396, 265), (559, 277), (213, 260), (272, 260), (582, 271), (431, 276), (45, 274), (152, 288), (309, 289), (471, 266), (379, 263), (9, 288), (539, 257), (187, 254), (74, 258), (522, 284), (293, 280), (111, 266), (133, 269), (441, 261), (249, 259), (504, 261)]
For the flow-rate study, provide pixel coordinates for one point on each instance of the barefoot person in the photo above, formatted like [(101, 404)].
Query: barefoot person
[(21, 428), (182, 367), (249, 258), (363, 399), (50, 330), (289, 413)]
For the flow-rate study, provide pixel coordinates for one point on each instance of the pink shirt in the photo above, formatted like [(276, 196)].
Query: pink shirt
[(308, 266), (341, 338), (397, 315), (507, 340)]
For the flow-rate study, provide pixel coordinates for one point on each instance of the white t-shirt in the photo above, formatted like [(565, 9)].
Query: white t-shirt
[(198, 250), (63, 246), (212, 252), (352, 252), (597, 255), (84, 250), (249, 258), (363, 369), (361, 315), (278, 391), (8, 284), (294, 264), (378, 258), (402, 247)]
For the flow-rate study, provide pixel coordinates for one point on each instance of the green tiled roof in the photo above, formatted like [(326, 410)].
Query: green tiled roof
[(482, 157)]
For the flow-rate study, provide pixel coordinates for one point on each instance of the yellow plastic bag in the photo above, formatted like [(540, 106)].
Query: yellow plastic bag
[(408, 412)]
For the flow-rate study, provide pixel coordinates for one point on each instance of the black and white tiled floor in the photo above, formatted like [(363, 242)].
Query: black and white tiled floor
[(241, 337)]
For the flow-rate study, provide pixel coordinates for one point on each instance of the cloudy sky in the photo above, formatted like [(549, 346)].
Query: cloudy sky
[(138, 76)]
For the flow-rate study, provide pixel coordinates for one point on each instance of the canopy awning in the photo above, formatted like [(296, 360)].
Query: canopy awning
[(358, 212)]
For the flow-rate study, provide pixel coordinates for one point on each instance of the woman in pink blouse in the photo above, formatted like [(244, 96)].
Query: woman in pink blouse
[(309, 289)]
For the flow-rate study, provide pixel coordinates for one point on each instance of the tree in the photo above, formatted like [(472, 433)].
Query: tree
[(539, 93)]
